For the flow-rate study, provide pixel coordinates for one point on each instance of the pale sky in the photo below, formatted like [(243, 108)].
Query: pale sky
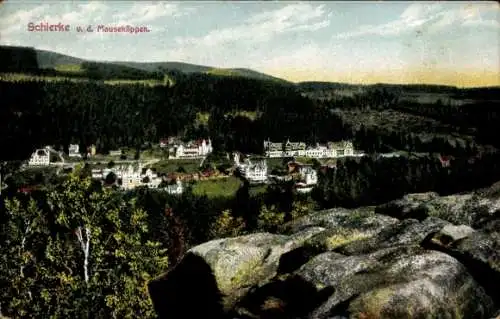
[(455, 43)]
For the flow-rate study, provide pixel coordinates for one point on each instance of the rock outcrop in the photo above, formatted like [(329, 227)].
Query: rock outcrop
[(419, 262)]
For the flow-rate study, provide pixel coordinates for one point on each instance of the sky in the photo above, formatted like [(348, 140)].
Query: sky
[(453, 43)]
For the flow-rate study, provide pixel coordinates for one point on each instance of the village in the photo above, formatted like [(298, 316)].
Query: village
[(174, 163), (166, 171), (129, 174)]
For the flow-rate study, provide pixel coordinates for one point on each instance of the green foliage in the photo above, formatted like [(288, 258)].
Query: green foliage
[(227, 225), (270, 219), (49, 270)]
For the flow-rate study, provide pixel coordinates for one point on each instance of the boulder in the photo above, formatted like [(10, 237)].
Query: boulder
[(402, 282), (235, 264), (361, 219), (407, 232), (450, 234), (466, 209)]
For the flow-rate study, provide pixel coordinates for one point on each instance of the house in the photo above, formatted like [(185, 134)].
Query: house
[(175, 189), (319, 151), (308, 175), (254, 172), (197, 149), (74, 150), (341, 149), (294, 148), (41, 157), (309, 179), (273, 149)]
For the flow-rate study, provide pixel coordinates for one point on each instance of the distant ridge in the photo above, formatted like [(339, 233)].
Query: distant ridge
[(20, 59), (26, 59)]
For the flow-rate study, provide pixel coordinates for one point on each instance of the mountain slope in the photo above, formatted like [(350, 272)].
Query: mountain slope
[(21, 59)]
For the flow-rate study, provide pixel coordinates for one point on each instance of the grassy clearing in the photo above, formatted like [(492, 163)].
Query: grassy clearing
[(169, 166), (153, 153), (134, 82), (223, 72), (257, 190), (49, 78), (74, 68), (29, 77), (223, 187)]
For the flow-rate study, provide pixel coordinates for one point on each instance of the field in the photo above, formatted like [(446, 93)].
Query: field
[(49, 78), (73, 68), (169, 166), (222, 187), (223, 72)]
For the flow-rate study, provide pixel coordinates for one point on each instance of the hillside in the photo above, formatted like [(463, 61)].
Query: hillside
[(22, 59)]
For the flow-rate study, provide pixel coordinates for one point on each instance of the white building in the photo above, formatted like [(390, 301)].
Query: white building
[(253, 172), (273, 149), (41, 157), (175, 189), (309, 179), (74, 150), (308, 175), (299, 149), (133, 177), (341, 149), (196, 149)]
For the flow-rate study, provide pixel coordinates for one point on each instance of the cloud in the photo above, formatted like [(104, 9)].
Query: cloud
[(145, 12), (432, 17), (18, 20), (264, 26)]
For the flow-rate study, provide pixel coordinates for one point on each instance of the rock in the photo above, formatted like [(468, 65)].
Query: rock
[(402, 282), (344, 228), (342, 263), (361, 219), (239, 263), (449, 234), (410, 206), (467, 209), (479, 252), (407, 232)]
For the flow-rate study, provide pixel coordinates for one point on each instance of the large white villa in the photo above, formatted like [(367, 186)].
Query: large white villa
[(40, 157), (133, 177), (291, 149), (255, 172), (197, 149)]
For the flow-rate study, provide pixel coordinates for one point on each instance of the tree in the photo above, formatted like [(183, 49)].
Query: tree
[(111, 164), (110, 178), (86, 253), (181, 169)]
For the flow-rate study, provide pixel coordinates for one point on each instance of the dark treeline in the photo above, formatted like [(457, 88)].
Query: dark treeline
[(370, 181), (37, 113), (58, 113)]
